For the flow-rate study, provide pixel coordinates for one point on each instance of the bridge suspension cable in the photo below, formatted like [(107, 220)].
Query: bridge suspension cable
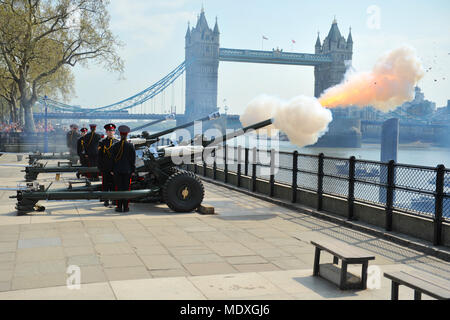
[(137, 99)]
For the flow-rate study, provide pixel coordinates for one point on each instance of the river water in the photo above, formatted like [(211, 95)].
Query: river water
[(424, 155)]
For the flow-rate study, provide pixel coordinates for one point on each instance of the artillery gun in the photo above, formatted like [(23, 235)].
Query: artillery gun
[(143, 141), (36, 156), (158, 179)]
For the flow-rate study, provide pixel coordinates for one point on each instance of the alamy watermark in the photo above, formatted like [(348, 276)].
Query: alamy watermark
[(374, 17), (74, 279)]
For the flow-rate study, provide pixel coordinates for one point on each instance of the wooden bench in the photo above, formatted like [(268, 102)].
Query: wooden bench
[(348, 255), (420, 282)]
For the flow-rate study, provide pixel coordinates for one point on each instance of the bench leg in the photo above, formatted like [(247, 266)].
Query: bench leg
[(364, 275), (417, 295), (394, 291), (343, 282), (316, 262), (335, 260)]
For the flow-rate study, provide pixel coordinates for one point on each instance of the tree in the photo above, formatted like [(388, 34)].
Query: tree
[(8, 94), (41, 39)]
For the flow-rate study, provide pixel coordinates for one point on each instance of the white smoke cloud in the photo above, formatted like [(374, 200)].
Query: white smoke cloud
[(302, 118)]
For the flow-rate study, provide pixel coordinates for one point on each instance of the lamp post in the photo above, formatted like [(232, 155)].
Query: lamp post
[(46, 129)]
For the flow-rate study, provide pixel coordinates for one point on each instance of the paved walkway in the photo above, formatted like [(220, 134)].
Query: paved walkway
[(250, 249)]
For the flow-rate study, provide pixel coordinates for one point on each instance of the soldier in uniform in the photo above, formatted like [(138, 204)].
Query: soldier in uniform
[(83, 131), (124, 166), (88, 150), (72, 142), (105, 159)]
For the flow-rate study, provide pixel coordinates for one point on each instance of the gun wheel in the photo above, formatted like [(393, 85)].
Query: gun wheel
[(183, 192)]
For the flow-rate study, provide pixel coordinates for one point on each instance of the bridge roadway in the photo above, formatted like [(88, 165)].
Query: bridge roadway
[(99, 115), (250, 249), (273, 57), (129, 116)]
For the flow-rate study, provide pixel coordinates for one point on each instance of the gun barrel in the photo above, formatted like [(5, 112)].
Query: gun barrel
[(163, 133), (149, 124), (241, 132)]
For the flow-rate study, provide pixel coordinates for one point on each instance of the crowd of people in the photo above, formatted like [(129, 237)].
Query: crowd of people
[(17, 127)]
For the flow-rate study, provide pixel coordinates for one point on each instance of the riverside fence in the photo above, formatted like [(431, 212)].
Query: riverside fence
[(30, 142), (414, 190)]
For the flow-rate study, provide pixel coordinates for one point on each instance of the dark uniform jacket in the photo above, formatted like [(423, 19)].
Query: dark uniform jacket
[(124, 157), (105, 156), (89, 145), (72, 140)]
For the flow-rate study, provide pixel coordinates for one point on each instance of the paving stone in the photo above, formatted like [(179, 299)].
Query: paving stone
[(270, 252), (9, 237), (230, 249), (153, 222), (177, 251), (235, 286), (255, 267), (69, 225), (246, 260), (91, 274), (6, 275), (197, 269), (93, 291), (258, 244), (98, 223), (160, 261), (287, 263), (170, 231), (37, 227), (85, 260), (121, 260), (40, 254), (150, 250), (282, 242), (179, 241), (43, 281), (79, 251), (107, 238), (168, 273), (212, 236), (113, 248), (73, 232), (34, 234), (156, 289), (5, 286), (76, 242), (199, 258), (7, 265), (8, 246), (126, 273), (194, 229), (39, 242), (265, 232), (102, 230), (39, 268), (146, 241)]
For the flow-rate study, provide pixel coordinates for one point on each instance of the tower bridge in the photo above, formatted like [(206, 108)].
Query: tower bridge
[(201, 68)]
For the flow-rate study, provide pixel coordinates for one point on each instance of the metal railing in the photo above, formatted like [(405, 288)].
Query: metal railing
[(415, 190)]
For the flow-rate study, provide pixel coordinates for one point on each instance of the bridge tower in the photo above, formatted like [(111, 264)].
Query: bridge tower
[(341, 52), (202, 64)]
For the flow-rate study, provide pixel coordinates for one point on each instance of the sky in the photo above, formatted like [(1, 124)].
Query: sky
[(153, 31)]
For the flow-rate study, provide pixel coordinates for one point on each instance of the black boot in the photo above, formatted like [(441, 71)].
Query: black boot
[(106, 203), (119, 209)]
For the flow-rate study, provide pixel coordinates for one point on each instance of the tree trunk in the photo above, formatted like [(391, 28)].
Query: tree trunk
[(28, 117)]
